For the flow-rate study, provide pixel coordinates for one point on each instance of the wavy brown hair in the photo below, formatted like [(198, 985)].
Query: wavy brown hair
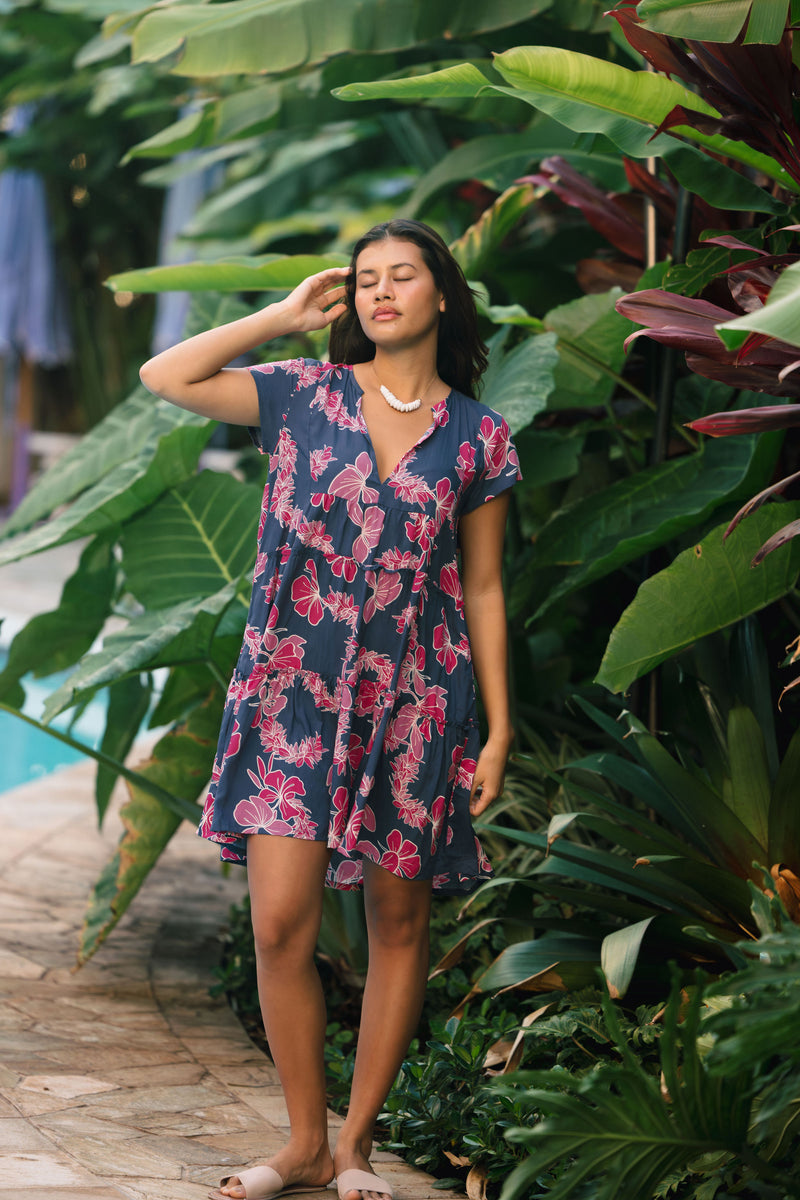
[(461, 355)]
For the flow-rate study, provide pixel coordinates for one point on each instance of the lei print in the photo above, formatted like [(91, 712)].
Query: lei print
[(356, 645)]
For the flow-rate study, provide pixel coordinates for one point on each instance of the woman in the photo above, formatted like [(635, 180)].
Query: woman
[(348, 753)]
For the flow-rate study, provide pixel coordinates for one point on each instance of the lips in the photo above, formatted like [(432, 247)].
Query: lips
[(384, 313)]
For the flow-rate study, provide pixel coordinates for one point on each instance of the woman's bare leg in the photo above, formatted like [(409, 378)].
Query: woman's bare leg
[(286, 878), (398, 918)]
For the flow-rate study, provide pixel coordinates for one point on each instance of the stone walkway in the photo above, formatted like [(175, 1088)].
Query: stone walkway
[(125, 1078)]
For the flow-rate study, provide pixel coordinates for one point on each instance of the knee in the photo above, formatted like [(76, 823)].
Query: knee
[(395, 926), (281, 941)]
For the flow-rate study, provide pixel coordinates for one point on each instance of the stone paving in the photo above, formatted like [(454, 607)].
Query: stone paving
[(124, 1079)]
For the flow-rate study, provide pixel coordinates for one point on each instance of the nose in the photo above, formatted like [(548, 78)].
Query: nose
[(384, 290)]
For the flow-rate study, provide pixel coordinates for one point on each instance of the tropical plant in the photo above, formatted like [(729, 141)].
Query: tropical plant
[(717, 1115), (653, 842)]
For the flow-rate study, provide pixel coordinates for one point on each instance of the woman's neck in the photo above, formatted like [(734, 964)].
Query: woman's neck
[(407, 370)]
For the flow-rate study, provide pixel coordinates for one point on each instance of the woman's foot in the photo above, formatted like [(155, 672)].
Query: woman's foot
[(355, 1159), (294, 1168)]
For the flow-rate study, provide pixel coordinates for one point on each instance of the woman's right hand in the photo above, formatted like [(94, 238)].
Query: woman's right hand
[(194, 373), (317, 301)]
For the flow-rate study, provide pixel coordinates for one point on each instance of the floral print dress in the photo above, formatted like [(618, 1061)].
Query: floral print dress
[(350, 717)]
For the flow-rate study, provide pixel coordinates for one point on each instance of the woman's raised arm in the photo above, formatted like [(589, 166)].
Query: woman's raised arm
[(194, 374)]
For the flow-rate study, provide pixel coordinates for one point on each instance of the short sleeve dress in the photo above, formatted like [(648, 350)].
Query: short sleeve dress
[(350, 717)]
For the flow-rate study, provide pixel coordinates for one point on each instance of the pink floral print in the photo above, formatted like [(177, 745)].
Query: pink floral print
[(350, 717)]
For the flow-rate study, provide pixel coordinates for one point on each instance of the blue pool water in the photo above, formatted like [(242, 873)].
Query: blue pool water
[(28, 753)]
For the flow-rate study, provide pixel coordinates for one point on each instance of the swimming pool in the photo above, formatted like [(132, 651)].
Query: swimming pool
[(29, 753)]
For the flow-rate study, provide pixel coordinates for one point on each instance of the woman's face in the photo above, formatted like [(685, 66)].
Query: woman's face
[(396, 298)]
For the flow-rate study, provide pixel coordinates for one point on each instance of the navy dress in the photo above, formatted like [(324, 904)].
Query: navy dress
[(350, 717)]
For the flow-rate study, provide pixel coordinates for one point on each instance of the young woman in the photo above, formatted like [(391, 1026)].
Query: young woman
[(349, 751)]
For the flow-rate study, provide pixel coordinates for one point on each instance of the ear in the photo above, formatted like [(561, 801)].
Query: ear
[(441, 304)]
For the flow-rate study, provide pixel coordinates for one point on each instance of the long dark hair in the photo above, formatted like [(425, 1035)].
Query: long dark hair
[(461, 355)]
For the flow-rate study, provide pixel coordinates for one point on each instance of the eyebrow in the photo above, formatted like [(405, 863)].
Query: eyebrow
[(394, 267)]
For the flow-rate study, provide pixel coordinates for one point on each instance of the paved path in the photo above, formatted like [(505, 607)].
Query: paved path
[(124, 1079)]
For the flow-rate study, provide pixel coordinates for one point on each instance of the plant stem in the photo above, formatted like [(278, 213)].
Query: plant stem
[(629, 387)]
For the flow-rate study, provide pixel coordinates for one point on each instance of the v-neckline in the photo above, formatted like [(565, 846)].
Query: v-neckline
[(436, 410)]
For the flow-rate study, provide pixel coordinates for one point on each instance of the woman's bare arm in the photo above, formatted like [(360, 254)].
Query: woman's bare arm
[(481, 533), (194, 374)]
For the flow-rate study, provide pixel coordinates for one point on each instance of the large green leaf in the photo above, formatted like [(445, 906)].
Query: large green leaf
[(619, 954), (473, 250), (706, 588), (181, 763), (558, 960), (196, 539), (54, 640), (119, 494), (461, 81), (130, 431), (716, 20), (269, 272), (193, 129), (777, 318), (181, 633), (498, 159), (520, 385), (549, 456), (602, 532), (256, 37), (592, 95), (591, 351)]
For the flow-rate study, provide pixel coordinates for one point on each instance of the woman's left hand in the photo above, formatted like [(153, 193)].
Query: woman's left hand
[(490, 769)]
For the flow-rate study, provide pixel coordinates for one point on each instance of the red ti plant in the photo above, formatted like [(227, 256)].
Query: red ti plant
[(751, 86), (689, 323), (619, 217)]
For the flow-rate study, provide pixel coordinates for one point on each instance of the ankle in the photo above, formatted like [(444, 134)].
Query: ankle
[(349, 1145), (311, 1148)]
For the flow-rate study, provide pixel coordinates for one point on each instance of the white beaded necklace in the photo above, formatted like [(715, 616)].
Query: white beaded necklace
[(396, 404)]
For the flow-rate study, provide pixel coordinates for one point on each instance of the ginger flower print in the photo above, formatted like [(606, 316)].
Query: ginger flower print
[(319, 460)]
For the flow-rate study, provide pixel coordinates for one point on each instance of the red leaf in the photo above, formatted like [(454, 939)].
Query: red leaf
[(754, 378), (732, 242), (776, 541), (752, 342), (755, 502), (605, 213), (748, 420)]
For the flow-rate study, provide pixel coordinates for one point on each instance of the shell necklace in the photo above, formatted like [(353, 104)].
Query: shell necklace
[(396, 404)]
